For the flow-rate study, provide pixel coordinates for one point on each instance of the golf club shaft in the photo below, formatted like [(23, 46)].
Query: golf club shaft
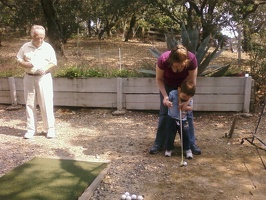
[(181, 136)]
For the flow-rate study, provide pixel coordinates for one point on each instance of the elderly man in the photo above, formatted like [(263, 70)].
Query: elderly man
[(37, 58)]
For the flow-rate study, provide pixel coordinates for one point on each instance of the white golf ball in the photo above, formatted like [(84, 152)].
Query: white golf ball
[(123, 196), (127, 193), (140, 197), (133, 196), (128, 198), (185, 163)]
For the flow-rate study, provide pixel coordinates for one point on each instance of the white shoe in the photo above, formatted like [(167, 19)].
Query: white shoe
[(29, 135), (50, 134), (189, 154), (168, 153)]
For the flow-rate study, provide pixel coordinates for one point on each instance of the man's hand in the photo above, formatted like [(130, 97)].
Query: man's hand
[(25, 64), (25, 58), (166, 102), (40, 71)]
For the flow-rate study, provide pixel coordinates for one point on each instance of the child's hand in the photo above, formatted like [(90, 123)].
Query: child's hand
[(183, 105)]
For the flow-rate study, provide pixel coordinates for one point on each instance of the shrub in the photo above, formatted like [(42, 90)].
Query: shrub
[(258, 68), (83, 72)]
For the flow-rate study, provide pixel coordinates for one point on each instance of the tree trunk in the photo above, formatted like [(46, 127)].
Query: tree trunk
[(132, 24), (246, 38), (54, 28), (0, 39), (89, 27), (100, 36)]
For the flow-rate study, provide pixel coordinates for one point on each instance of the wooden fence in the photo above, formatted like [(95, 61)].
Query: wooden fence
[(212, 94)]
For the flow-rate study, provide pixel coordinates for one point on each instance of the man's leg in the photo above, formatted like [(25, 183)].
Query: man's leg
[(160, 134), (171, 129), (45, 99), (30, 101), (191, 133)]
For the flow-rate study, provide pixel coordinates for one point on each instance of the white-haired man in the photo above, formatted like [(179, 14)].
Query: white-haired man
[(37, 58)]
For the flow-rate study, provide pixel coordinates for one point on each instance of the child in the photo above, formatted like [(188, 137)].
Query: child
[(178, 97)]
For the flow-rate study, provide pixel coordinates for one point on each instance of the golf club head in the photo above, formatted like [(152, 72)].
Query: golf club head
[(183, 163)]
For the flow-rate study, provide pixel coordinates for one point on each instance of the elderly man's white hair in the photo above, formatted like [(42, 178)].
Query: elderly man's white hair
[(36, 28)]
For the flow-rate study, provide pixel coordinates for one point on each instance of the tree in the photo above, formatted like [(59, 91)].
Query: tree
[(209, 12), (69, 14), (65, 17), (207, 15), (19, 16), (173, 9), (54, 26), (250, 14), (7, 9)]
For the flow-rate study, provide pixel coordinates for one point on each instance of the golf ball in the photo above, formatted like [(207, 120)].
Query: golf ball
[(123, 196), (128, 198), (140, 197), (133, 196), (185, 163), (127, 193)]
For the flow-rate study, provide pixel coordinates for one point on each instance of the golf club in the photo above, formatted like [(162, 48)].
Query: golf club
[(181, 139)]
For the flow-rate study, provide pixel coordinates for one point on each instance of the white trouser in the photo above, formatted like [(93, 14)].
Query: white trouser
[(40, 87)]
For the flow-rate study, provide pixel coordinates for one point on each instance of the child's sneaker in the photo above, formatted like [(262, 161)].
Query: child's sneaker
[(189, 154), (168, 153)]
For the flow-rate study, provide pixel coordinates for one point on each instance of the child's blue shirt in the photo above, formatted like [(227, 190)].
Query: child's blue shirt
[(174, 110)]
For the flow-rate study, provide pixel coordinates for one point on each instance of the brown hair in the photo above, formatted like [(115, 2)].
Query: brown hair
[(188, 88), (179, 54)]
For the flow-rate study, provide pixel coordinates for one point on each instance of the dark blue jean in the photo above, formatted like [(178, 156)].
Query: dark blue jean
[(163, 116), (191, 133), (173, 126)]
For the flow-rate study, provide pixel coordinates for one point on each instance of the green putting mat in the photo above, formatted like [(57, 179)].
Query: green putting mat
[(49, 179)]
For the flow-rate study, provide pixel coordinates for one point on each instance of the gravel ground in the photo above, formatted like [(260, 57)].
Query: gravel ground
[(225, 170)]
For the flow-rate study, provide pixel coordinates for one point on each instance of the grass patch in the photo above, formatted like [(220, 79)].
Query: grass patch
[(45, 178)]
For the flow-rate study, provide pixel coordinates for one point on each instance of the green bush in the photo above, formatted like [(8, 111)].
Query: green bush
[(83, 72), (258, 68), (80, 72), (9, 72)]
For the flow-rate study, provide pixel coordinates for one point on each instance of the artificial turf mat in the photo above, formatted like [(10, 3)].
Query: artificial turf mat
[(49, 179)]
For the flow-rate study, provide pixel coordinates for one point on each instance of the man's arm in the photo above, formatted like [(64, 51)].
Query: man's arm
[(192, 76), (160, 84), (45, 69), (25, 64)]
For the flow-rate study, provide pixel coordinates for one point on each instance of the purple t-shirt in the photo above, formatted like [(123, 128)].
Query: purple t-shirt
[(174, 79)]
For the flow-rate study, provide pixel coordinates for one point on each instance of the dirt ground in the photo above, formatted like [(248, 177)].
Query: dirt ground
[(226, 170)]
